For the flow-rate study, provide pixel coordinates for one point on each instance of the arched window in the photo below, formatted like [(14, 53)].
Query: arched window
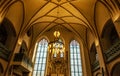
[(41, 56), (75, 59)]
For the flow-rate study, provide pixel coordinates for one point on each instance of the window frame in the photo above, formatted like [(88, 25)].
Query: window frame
[(42, 50), (75, 47)]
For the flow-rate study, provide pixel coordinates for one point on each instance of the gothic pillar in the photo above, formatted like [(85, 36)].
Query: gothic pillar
[(103, 69), (86, 65)]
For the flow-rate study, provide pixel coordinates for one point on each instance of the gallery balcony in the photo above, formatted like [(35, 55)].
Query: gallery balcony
[(95, 65), (4, 52), (21, 60), (113, 52)]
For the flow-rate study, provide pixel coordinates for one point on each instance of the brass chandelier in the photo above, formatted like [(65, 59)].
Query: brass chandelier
[(56, 47)]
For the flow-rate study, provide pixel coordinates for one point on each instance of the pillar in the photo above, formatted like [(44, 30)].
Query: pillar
[(101, 58)]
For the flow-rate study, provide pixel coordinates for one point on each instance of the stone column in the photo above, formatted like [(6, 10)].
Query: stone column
[(85, 60), (103, 69)]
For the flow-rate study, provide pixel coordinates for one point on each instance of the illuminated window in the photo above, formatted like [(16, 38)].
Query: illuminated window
[(55, 55), (41, 56), (61, 55), (75, 59)]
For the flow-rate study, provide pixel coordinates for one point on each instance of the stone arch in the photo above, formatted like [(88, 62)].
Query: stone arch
[(109, 35), (7, 34), (116, 70)]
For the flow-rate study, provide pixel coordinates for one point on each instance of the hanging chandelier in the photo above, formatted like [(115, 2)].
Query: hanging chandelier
[(56, 47)]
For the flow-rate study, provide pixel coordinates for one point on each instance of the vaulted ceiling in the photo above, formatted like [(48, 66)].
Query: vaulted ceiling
[(82, 19), (73, 15), (76, 16)]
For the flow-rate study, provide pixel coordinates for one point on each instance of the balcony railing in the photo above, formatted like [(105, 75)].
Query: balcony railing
[(23, 60), (4, 52), (113, 52), (95, 65)]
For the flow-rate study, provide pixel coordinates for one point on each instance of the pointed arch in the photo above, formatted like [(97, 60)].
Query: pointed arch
[(7, 34), (7, 30), (109, 35)]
